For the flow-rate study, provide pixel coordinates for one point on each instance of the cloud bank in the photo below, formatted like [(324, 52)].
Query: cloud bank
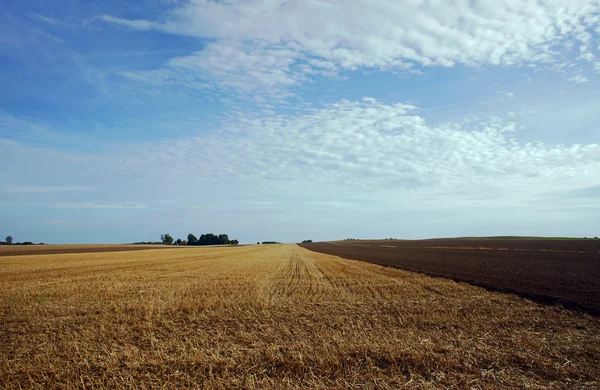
[(279, 43), (346, 150)]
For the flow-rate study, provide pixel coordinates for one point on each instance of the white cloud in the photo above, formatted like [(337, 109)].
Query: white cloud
[(45, 19), (282, 42), (245, 67), (365, 149), (135, 24), (347, 161), (368, 150), (578, 78)]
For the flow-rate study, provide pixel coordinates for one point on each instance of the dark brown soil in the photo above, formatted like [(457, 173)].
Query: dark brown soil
[(565, 272), (20, 250)]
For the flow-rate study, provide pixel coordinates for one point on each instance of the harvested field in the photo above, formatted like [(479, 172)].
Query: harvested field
[(20, 250), (274, 316), (566, 272)]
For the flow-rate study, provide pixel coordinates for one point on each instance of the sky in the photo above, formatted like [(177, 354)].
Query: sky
[(274, 120)]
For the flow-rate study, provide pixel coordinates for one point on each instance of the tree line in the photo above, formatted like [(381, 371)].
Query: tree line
[(9, 241), (205, 239), (210, 239)]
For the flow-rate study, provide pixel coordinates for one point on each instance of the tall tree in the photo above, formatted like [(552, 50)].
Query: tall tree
[(9, 240), (166, 239)]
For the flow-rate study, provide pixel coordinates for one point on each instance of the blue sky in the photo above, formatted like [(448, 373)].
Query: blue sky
[(289, 120)]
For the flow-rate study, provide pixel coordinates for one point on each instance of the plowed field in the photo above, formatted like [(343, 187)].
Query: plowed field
[(566, 272), (20, 250), (274, 316)]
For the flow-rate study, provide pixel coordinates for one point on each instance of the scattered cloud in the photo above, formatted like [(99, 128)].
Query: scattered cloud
[(369, 145), (276, 44), (348, 158), (45, 19), (578, 78), (366, 148), (247, 118), (142, 25), (359, 146), (243, 67)]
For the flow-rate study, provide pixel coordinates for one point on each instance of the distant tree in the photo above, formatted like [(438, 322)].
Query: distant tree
[(166, 239), (9, 240), (210, 239), (306, 241), (258, 243), (179, 241), (207, 239), (234, 242)]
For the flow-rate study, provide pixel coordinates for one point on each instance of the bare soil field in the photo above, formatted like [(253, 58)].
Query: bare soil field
[(566, 272), (492, 243), (20, 250), (274, 316)]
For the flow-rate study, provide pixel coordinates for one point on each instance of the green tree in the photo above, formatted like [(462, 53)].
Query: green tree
[(166, 239), (192, 239), (9, 240)]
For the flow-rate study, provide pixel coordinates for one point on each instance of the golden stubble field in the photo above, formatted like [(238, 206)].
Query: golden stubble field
[(274, 316)]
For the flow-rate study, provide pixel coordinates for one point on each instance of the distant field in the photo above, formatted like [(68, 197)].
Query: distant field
[(18, 250), (548, 270), (537, 244), (274, 316)]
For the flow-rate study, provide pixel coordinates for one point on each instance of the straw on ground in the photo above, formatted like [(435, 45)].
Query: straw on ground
[(274, 316)]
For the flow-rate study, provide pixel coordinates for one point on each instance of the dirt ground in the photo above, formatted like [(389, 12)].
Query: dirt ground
[(20, 250), (566, 272), (274, 316)]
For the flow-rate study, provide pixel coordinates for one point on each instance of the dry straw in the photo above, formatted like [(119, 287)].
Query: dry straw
[(274, 317)]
